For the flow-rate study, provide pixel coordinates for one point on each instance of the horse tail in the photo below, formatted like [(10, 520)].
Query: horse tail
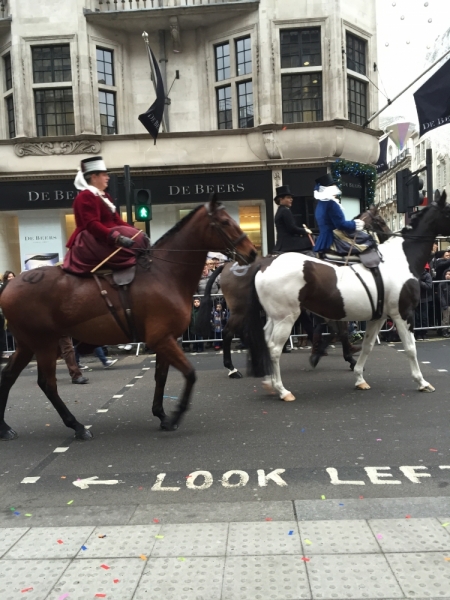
[(202, 326), (260, 362)]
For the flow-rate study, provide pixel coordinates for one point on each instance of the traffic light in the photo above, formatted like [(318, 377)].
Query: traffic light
[(143, 205), (409, 189)]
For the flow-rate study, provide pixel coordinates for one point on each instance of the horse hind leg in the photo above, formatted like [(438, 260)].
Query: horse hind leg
[(46, 360), (15, 365), (227, 336), (279, 336), (161, 371)]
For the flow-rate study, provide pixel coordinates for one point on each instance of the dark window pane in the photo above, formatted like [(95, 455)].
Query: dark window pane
[(51, 63), (243, 56), (11, 117), (245, 104), (107, 105), (356, 54), (105, 70), (222, 58), (8, 71), (54, 112), (300, 48), (224, 111), (357, 101), (302, 97)]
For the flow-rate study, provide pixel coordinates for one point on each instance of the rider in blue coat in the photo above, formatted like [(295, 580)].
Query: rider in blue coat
[(329, 214)]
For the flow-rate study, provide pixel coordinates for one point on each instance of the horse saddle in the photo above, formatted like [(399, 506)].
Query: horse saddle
[(369, 258)]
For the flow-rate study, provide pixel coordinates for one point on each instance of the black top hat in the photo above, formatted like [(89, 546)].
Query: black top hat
[(326, 180), (281, 191)]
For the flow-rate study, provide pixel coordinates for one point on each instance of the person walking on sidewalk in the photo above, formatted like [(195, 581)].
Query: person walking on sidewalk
[(68, 355), (100, 354)]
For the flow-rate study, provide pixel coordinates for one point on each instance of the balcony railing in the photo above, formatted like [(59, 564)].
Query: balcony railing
[(121, 5)]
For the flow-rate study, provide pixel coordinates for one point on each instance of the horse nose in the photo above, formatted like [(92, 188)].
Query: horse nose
[(253, 254)]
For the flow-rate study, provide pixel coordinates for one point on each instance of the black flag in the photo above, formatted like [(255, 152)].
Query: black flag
[(433, 100), (151, 119), (382, 160)]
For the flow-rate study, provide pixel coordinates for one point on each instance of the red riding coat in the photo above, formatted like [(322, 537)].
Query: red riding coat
[(93, 215)]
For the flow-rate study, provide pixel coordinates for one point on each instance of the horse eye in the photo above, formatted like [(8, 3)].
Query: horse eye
[(226, 222)]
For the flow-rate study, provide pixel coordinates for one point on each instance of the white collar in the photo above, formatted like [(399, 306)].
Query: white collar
[(81, 184)]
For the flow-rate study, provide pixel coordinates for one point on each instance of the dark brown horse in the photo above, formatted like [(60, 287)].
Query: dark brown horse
[(236, 282), (45, 304)]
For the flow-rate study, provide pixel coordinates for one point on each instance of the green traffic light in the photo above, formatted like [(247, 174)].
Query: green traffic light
[(143, 213)]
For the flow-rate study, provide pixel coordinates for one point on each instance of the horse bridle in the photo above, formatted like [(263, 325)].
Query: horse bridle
[(231, 244)]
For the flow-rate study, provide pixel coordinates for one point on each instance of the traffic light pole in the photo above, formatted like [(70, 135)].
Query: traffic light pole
[(429, 163), (147, 228), (127, 184)]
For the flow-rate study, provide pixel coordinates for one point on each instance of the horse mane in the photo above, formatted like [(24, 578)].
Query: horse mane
[(178, 226), (415, 220)]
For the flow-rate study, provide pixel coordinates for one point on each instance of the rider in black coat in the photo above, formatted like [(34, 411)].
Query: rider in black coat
[(290, 237)]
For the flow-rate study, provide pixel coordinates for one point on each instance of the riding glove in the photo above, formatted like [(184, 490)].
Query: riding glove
[(124, 241), (359, 225)]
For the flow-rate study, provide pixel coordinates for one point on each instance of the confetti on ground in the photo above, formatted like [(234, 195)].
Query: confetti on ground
[(340, 504), (361, 497), (12, 508), (379, 536), (308, 542), (100, 595), (28, 515), (291, 532), (264, 412), (268, 518), (17, 513), (63, 477), (181, 558), (378, 439), (304, 559), (102, 535), (433, 450), (105, 567), (407, 516), (70, 502), (116, 580), (159, 537), (84, 547), (447, 558), (155, 520), (303, 430), (143, 557), (445, 524), (323, 497), (63, 596), (284, 129), (26, 590), (60, 541)]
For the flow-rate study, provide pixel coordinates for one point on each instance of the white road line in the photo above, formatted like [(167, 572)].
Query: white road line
[(60, 449), (139, 376), (100, 410), (118, 396), (425, 362), (400, 350), (129, 385), (30, 480), (442, 370), (146, 368)]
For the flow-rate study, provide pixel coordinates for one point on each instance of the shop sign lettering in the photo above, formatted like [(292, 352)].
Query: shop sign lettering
[(40, 238), (49, 196), (200, 188)]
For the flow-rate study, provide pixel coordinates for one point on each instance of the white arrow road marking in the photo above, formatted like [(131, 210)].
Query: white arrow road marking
[(84, 484)]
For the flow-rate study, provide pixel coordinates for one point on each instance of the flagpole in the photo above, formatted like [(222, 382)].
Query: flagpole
[(406, 88), (152, 68)]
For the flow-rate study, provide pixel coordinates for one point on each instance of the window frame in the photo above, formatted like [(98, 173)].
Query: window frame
[(300, 55), (301, 75), (113, 75), (361, 78), (36, 102), (114, 104), (246, 106), (7, 97), (363, 83), (234, 80), (5, 56), (360, 40), (7, 100), (237, 52), (123, 114), (52, 47), (218, 89)]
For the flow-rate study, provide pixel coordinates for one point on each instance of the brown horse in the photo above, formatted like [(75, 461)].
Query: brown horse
[(236, 282), (45, 304)]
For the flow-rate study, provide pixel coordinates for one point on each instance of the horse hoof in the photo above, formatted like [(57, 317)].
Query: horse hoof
[(235, 375), (168, 425), (288, 398), (84, 435), (363, 386), (8, 435), (314, 360), (428, 388)]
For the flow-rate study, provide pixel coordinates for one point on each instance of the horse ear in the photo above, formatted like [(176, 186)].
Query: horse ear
[(212, 202), (443, 199)]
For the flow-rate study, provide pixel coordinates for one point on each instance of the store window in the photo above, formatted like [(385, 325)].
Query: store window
[(301, 86), (234, 101), (107, 91)]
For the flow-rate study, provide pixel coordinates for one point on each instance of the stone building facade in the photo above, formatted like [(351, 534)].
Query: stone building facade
[(268, 92)]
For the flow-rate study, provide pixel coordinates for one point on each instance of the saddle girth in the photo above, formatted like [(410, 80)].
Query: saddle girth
[(377, 312), (122, 287)]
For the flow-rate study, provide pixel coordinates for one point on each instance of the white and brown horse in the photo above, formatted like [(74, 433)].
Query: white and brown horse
[(294, 282)]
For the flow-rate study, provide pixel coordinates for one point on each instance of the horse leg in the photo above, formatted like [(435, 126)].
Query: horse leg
[(161, 371), (267, 382), (227, 336), (373, 327), (279, 336), (15, 365), (319, 344), (348, 349), (46, 360), (409, 345), (171, 354)]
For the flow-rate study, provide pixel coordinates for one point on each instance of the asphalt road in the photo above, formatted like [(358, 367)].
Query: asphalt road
[(234, 426)]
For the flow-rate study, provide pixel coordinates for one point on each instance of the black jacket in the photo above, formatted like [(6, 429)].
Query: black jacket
[(290, 238)]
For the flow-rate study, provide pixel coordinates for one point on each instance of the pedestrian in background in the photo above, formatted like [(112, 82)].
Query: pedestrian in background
[(444, 296), (421, 314)]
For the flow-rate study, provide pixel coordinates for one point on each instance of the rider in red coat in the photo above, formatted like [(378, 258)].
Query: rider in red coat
[(99, 226)]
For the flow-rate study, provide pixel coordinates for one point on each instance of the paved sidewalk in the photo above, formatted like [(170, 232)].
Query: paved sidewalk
[(168, 552)]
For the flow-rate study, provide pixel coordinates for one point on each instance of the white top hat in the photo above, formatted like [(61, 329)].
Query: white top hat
[(92, 165)]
